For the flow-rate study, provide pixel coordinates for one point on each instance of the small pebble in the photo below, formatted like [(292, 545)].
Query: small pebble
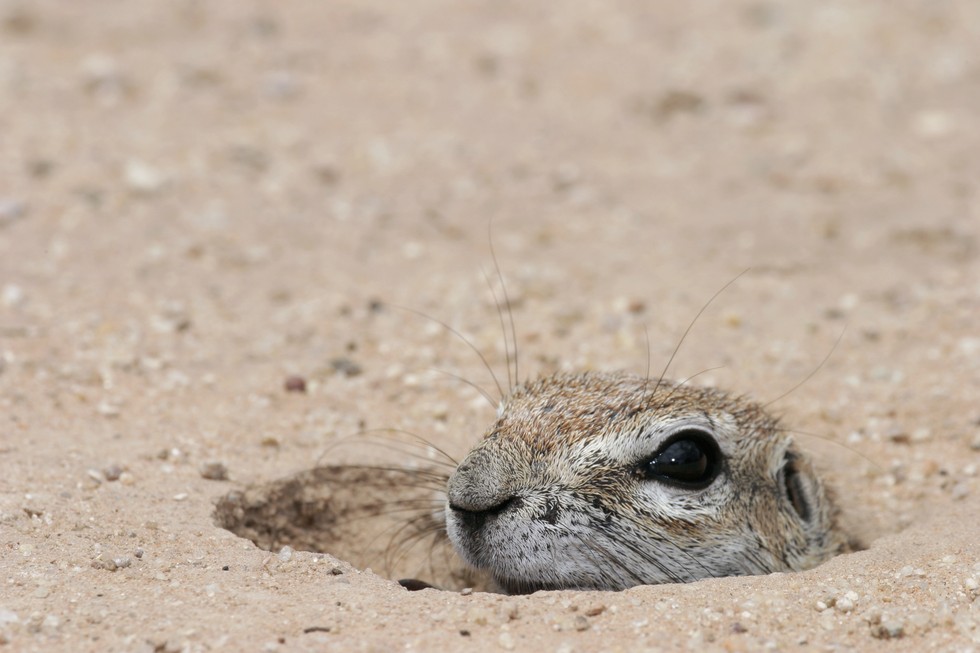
[(108, 565), (138, 552), (34, 622), (285, 554), (108, 409), (969, 347), (41, 168), (889, 629), (326, 173), (846, 602), (345, 366), (11, 210), (898, 435), (675, 102), (933, 123), (12, 295), (294, 384), (733, 319), (180, 497), (581, 623), (141, 178), (506, 641), (466, 591), (214, 471), (112, 472), (921, 434)]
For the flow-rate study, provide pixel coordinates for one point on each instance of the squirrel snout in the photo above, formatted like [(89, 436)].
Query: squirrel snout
[(478, 489), (475, 519)]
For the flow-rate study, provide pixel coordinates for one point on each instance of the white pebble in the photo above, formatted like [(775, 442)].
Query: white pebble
[(11, 210), (12, 295), (933, 124), (969, 346), (893, 628), (921, 434), (141, 178), (285, 554), (108, 409), (846, 603)]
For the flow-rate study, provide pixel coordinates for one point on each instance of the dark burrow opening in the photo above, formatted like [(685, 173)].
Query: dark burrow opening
[(387, 519)]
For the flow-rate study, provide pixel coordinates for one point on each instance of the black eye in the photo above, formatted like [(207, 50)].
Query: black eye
[(690, 458)]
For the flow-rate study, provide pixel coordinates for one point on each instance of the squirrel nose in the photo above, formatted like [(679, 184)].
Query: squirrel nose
[(475, 519), (478, 488)]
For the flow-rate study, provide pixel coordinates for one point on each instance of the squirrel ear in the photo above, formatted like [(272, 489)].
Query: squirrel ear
[(797, 486)]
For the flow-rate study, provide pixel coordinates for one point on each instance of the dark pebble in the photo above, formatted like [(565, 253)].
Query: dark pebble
[(295, 384), (345, 366)]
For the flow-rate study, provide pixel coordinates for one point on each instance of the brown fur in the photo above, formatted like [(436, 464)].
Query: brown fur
[(552, 496)]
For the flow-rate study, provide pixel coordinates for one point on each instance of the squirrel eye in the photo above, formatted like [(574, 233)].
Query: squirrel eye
[(690, 458)]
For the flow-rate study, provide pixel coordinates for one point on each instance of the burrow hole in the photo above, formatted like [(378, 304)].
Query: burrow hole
[(384, 519)]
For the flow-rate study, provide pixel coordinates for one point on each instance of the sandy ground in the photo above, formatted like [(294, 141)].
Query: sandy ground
[(200, 199)]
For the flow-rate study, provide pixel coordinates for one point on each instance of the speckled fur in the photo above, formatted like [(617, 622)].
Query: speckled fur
[(564, 454)]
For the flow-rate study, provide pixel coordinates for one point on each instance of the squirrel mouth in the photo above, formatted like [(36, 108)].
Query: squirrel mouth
[(488, 545)]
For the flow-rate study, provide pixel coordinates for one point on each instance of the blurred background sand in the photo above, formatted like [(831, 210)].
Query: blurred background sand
[(200, 199)]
